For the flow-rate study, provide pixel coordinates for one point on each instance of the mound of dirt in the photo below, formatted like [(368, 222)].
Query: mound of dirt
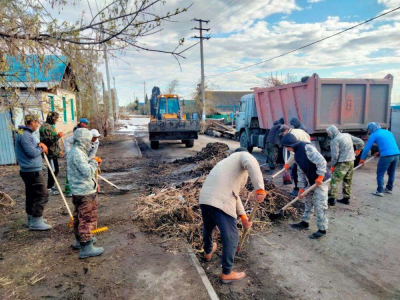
[(211, 151)]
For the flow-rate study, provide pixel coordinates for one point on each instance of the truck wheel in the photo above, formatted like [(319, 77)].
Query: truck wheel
[(189, 143), (244, 142), (154, 144)]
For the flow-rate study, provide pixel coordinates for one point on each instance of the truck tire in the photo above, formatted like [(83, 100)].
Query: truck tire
[(154, 144), (189, 143), (244, 142)]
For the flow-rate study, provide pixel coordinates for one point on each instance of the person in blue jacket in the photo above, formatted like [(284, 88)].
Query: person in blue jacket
[(389, 156)]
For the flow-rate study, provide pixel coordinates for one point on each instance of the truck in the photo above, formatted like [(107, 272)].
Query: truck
[(168, 122), (349, 104)]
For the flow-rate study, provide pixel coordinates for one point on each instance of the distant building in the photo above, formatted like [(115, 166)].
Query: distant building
[(224, 102), (39, 88)]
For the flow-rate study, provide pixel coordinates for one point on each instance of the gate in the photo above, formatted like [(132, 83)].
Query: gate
[(7, 154)]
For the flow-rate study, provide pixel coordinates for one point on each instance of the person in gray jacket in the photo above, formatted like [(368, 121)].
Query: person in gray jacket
[(29, 157)]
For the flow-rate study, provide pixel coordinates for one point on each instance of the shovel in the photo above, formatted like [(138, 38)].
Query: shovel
[(112, 184), (279, 214)]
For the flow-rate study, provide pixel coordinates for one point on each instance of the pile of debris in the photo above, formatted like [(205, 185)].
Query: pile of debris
[(213, 151), (216, 128)]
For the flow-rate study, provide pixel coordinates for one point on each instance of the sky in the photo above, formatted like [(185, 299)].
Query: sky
[(243, 32)]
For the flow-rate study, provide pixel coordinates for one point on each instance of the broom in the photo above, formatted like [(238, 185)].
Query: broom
[(70, 223)]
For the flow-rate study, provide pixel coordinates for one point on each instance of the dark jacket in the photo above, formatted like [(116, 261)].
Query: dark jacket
[(27, 150), (273, 135), (49, 137), (295, 122)]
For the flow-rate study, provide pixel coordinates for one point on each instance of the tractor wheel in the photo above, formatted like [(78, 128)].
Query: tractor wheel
[(189, 143), (154, 144), (244, 142)]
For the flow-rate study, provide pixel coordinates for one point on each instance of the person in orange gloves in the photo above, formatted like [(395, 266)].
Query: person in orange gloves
[(221, 206), (312, 167)]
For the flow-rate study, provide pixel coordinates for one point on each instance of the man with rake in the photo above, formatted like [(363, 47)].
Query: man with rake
[(221, 205)]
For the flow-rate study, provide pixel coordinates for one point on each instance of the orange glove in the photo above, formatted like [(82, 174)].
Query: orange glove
[(319, 180), (98, 159), (44, 148), (287, 167), (357, 152), (61, 153), (60, 135), (260, 195), (246, 223), (362, 161), (300, 194), (332, 169), (377, 154)]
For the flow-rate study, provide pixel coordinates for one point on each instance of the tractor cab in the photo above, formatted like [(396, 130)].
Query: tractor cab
[(168, 107)]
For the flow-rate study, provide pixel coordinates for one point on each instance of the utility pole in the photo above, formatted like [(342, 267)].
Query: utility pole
[(144, 96), (109, 88), (116, 101), (203, 101)]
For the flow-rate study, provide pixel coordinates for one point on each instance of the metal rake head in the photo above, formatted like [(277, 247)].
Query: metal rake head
[(99, 230)]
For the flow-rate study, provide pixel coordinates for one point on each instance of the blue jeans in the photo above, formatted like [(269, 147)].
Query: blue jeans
[(389, 164), (214, 217)]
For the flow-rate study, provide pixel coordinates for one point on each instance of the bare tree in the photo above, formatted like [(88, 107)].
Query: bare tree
[(172, 87)]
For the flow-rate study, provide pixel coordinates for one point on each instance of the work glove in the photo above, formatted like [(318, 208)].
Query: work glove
[(377, 154), (60, 135), (98, 159), (332, 169), (61, 153), (260, 195), (320, 180), (357, 152), (44, 148), (245, 222), (300, 194), (362, 161), (287, 167)]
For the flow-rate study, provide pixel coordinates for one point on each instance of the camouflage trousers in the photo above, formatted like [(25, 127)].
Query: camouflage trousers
[(343, 172), (272, 154), (320, 202), (85, 216)]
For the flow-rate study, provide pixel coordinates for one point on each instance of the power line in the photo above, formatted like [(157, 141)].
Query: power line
[(305, 46)]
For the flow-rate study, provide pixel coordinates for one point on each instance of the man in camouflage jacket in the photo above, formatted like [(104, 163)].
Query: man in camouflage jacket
[(312, 168), (82, 180), (50, 137), (342, 162)]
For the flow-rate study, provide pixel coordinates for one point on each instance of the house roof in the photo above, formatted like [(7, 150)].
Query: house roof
[(218, 98), (44, 74)]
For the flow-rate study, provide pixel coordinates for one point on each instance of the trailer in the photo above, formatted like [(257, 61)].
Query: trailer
[(349, 104)]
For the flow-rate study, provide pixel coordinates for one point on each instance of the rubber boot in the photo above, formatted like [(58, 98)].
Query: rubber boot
[(38, 224), (300, 226), (345, 200), (30, 219), (232, 277), (88, 250), (318, 234), (332, 201), (77, 245), (294, 192)]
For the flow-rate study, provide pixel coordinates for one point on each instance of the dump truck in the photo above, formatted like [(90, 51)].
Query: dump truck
[(349, 104), (168, 122)]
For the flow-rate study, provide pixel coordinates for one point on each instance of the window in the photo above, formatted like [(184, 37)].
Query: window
[(242, 106), (173, 105), (64, 109), (72, 110), (51, 99), (162, 106)]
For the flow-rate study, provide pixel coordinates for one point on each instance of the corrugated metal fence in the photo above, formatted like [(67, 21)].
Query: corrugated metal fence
[(7, 154)]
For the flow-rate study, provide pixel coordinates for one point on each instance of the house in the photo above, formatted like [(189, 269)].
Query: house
[(38, 87)]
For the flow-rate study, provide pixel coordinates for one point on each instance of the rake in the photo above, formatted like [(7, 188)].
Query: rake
[(247, 230), (70, 223)]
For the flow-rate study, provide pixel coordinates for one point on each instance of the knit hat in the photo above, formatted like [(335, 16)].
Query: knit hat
[(283, 129), (241, 149), (289, 140)]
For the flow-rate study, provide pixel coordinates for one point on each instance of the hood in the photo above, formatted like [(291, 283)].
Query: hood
[(332, 131), (51, 117), (295, 122), (23, 127), (289, 140), (372, 127), (83, 138), (281, 121)]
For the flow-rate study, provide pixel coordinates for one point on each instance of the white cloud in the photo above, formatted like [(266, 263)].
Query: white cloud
[(314, 1)]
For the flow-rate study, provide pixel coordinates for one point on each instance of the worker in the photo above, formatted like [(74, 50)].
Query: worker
[(220, 206), (50, 137), (83, 123), (29, 157), (342, 163), (312, 168), (295, 122), (389, 156), (84, 187), (272, 144), (301, 136), (94, 143)]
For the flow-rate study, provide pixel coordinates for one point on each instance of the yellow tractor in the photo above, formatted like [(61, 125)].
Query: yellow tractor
[(168, 122)]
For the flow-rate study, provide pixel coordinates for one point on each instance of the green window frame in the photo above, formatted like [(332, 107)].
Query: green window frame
[(64, 109), (51, 98), (72, 110)]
